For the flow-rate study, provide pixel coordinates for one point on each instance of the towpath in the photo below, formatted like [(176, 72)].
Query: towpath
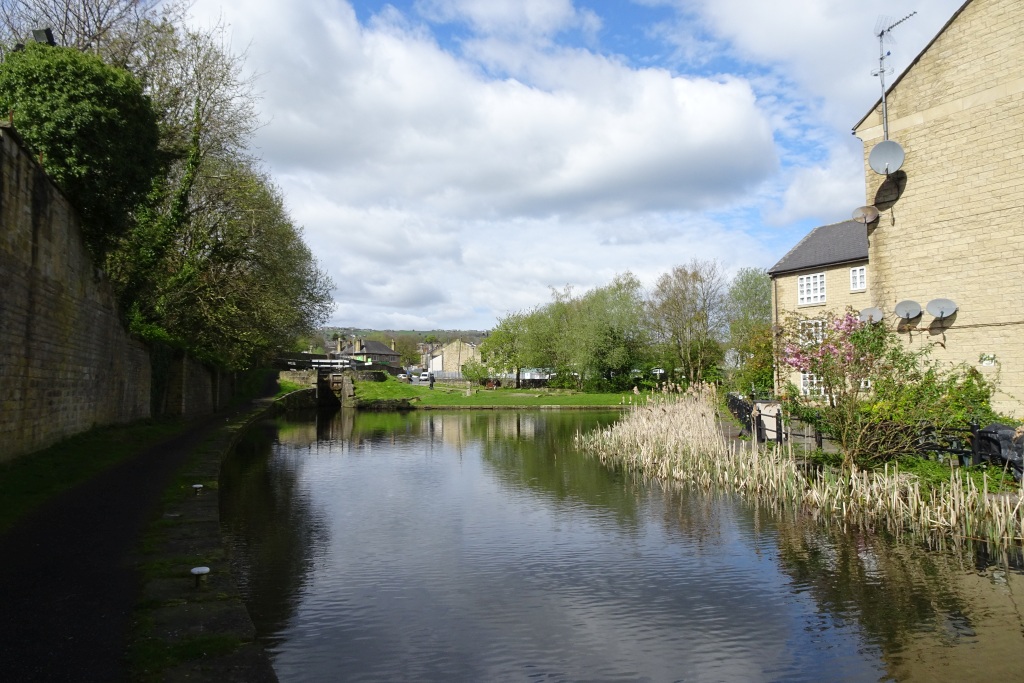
[(69, 580)]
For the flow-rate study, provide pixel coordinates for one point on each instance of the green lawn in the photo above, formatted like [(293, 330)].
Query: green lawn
[(455, 396)]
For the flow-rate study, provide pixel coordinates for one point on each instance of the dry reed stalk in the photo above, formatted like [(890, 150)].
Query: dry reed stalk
[(678, 437)]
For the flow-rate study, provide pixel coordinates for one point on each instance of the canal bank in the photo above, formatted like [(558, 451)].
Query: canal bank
[(85, 600)]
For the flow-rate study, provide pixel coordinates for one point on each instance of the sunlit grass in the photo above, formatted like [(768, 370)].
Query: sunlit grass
[(679, 438), (466, 395)]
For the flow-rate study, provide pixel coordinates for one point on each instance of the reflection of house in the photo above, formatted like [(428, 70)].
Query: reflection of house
[(951, 223), (371, 351), (450, 358), (826, 270)]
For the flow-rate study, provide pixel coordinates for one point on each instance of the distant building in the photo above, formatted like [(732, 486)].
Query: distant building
[(448, 360), (372, 351)]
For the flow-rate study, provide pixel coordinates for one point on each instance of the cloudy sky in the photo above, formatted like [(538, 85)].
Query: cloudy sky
[(453, 160)]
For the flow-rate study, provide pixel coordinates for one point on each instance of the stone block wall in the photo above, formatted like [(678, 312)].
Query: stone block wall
[(66, 362), (952, 221), (194, 389)]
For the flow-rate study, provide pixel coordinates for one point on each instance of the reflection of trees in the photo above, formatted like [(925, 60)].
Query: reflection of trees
[(269, 526), (534, 451)]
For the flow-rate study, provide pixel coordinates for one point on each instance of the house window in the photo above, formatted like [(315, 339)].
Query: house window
[(858, 279), (810, 385), (812, 331), (811, 289)]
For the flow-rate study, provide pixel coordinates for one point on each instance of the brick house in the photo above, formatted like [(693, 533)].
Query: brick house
[(951, 223)]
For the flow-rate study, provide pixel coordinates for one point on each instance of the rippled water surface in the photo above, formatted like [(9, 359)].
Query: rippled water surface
[(477, 546)]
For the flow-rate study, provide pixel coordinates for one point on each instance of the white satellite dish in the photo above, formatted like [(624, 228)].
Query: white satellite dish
[(871, 315), (908, 309), (941, 308), (865, 214), (886, 157)]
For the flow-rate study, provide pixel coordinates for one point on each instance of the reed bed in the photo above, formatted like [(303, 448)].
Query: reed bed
[(678, 437)]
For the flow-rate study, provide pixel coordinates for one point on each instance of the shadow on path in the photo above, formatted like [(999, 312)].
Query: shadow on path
[(68, 586)]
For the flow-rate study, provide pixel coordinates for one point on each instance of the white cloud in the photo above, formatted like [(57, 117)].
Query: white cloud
[(451, 160)]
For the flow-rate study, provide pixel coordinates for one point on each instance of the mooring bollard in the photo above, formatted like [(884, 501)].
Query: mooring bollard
[(199, 573)]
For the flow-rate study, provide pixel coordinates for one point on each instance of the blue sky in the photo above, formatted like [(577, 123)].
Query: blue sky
[(453, 160)]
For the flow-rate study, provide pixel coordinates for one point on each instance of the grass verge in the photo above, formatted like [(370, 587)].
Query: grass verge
[(455, 396)]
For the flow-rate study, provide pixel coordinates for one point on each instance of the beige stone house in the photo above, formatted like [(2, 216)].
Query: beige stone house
[(448, 360), (951, 218), (826, 270)]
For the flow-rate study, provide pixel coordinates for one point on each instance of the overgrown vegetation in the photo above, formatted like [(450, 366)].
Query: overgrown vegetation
[(146, 124), (872, 395), (678, 438), (94, 129)]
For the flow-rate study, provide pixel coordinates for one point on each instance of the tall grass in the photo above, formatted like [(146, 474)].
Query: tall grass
[(678, 437)]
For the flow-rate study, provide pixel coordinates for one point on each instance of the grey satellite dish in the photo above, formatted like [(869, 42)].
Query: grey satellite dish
[(941, 308), (886, 157), (908, 309), (871, 315), (865, 214)]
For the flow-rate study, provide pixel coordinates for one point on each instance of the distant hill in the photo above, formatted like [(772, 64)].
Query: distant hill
[(470, 336)]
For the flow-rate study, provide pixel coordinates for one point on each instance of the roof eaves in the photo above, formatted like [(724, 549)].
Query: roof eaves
[(787, 271)]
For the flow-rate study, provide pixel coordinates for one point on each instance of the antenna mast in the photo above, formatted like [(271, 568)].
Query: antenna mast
[(882, 54)]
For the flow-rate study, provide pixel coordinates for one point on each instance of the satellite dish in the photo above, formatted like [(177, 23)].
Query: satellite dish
[(941, 308), (871, 315), (908, 309), (865, 214), (886, 157)]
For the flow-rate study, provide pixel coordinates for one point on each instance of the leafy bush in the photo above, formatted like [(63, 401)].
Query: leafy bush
[(94, 128), (874, 394)]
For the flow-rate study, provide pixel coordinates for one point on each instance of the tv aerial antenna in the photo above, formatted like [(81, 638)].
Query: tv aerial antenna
[(883, 35)]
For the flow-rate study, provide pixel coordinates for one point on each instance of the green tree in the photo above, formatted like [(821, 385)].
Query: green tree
[(749, 315), (504, 349), (592, 341), (687, 310), (238, 283), (94, 129)]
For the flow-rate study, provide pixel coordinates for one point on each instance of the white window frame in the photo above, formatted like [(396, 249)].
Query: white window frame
[(810, 385), (812, 331), (810, 289), (859, 279)]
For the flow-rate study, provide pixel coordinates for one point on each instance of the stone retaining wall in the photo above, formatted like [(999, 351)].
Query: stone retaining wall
[(66, 362)]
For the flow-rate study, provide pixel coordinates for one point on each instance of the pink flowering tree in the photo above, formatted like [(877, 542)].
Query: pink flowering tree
[(864, 389)]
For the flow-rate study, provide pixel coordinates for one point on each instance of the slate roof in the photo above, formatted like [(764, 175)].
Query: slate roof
[(370, 347), (826, 245)]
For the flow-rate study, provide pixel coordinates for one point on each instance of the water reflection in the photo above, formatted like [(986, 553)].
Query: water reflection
[(266, 518), (479, 546)]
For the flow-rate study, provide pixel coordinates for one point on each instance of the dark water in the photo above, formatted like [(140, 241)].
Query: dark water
[(477, 546)]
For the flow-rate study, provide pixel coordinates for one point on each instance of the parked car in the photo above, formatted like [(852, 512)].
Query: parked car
[(402, 375)]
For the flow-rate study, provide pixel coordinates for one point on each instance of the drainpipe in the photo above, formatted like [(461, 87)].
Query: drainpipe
[(775, 314)]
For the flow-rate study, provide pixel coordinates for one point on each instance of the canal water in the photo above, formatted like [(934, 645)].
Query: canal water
[(478, 546)]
